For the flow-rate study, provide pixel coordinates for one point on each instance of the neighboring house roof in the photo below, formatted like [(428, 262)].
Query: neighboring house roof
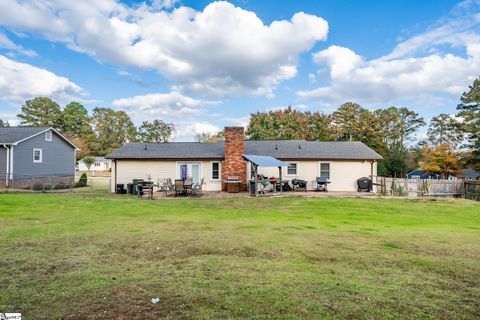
[(15, 135), (11, 135), (468, 172), (280, 149)]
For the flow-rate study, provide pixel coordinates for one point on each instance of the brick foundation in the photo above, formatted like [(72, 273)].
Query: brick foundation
[(234, 164)]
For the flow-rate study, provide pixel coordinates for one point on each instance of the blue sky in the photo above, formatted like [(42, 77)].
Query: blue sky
[(203, 65)]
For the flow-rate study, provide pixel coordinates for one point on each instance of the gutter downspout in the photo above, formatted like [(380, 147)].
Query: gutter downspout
[(7, 166), (115, 177)]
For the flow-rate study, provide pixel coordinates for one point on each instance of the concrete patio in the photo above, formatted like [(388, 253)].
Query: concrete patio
[(308, 194)]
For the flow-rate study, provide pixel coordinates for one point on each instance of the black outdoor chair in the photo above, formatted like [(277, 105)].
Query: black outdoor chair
[(179, 187)]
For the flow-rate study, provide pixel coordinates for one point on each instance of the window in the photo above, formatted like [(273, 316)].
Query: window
[(416, 177), (215, 170), (48, 136), (97, 164), (325, 170), (37, 155), (292, 169)]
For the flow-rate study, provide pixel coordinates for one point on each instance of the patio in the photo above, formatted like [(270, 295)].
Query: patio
[(308, 194)]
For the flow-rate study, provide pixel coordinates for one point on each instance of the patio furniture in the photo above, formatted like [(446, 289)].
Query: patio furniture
[(145, 187), (166, 186), (197, 188), (179, 187)]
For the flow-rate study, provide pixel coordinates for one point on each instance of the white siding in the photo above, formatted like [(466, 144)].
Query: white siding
[(127, 170), (343, 174)]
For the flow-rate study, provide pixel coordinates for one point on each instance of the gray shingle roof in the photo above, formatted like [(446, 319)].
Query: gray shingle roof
[(9, 135), (280, 149)]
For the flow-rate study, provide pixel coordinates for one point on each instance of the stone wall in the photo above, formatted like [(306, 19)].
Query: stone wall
[(39, 181), (234, 164)]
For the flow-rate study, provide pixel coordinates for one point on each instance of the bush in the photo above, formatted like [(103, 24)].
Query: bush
[(82, 182), (83, 179)]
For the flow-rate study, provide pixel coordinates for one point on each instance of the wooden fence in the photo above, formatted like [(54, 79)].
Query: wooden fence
[(420, 188), (472, 190)]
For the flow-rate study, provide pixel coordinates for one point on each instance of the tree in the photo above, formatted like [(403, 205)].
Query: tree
[(112, 129), (4, 123), (470, 111), (288, 124), (445, 129), (441, 160), (155, 131), (395, 128), (206, 137), (76, 122), (89, 161), (41, 112), (82, 145), (346, 120)]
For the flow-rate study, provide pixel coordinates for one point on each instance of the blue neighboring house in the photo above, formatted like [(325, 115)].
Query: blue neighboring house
[(420, 174), (469, 174), (39, 153)]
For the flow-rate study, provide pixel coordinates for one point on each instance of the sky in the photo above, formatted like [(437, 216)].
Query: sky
[(203, 65)]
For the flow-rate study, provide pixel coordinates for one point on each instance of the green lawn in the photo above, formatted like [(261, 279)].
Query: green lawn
[(78, 256)]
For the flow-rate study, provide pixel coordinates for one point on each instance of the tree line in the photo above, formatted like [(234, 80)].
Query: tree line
[(452, 141), (98, 133)]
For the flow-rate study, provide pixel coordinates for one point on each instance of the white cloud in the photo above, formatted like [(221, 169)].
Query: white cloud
[(21, 81), (222, 50), (171, 105), (182, 110), (416, 69), (6, 43)]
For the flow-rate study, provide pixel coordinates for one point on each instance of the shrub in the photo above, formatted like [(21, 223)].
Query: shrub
[(82, 182)]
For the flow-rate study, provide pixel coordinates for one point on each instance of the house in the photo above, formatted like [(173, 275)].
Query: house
[(469, 174), (342, 162), (420, 174), (100, 164), (35, 152)]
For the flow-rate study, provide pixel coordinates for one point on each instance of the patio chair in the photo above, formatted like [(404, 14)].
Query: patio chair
[(197, 188), (179, 187), (166, 186)]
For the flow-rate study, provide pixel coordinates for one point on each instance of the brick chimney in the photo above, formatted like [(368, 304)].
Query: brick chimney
[(234, 164)]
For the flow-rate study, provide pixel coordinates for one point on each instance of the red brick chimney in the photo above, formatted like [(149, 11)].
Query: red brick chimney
[(234, 164)]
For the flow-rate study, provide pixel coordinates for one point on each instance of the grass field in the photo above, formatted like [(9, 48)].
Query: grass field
[(74, 256)]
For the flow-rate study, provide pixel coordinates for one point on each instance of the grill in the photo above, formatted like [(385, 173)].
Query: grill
[(322, 183), (233, 184), (300, 184), (364, 183)]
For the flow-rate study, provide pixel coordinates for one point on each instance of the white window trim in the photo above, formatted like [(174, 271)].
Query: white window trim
[(292, 175), (219, 170), (329, 167), (177, 168), (48, 134), (41, 155)]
